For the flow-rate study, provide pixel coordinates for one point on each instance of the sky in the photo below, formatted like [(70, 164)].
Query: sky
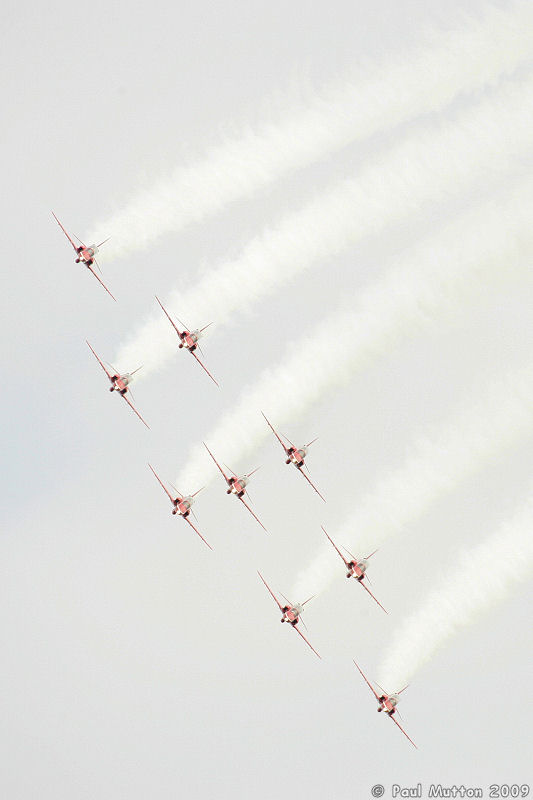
[(346, 188)]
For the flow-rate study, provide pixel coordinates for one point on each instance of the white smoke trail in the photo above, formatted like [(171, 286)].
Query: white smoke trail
[(441, 161), (435, 274), (471, 57), (484, 576), (435, 466)]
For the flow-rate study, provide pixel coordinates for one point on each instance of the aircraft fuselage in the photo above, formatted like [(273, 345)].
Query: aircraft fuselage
[(86, 255), (291, 614)]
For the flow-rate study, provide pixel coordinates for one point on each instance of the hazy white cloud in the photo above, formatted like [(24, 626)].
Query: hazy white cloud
[(472, 55), (482, 577), (437, 273), (438, 162), (435, 465)]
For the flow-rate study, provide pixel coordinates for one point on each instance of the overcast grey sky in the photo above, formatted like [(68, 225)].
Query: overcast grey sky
[(136, 662)]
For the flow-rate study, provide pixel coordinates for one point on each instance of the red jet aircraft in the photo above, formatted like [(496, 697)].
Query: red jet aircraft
[(386, 702), (182, 505), (236, 485), (120, 383), (291, 613), (188, 339), (87, 255), (356, 568), (295, 455)]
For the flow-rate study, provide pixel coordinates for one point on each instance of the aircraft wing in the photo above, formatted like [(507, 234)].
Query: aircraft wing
[(75, 246), (101, 282), (169, 317), (336, 548), (218, 465), (278, 437), (109, 375), (271, 592), (198, 532), (393, 718), (128, 401), (371, 595), (308, 479), (172, 499), (252, 513), (376, 695), (306, 640), (203, 367)]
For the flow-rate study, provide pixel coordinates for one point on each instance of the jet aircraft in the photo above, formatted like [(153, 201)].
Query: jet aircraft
[(237, 485), (86, 254), (188, 339), (295, 455), (356, 568), (120, 383), (386, 702), (291, 612), (182, 505)]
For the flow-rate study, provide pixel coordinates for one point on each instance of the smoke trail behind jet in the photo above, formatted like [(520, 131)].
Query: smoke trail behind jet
[(425, 80), (483, 576), (436, 274), (435, 466), (439, 162)]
